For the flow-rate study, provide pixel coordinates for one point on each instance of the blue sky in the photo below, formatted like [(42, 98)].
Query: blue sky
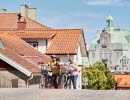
[(87, 14)]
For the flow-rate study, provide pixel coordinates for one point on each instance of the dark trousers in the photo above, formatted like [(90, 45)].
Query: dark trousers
[(56, 80), (74, 81), (47, 80)]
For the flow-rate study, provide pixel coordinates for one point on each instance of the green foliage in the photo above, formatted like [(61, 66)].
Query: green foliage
[(99, 77)]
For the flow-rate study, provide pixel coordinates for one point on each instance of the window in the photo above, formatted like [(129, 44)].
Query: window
[(93, 55), (109, 54), (125, 62), (105, 54), (104, 46), (105, 38), (100, 54), (117, 54), (33, 44), (120, 68), (110, 62)]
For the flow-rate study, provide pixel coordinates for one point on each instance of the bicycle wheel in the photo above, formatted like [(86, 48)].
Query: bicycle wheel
[(62, 82), (65, 81), (69, 83), (49, 81), (42, 82)]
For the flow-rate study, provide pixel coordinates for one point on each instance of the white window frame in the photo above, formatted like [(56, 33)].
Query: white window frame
[(32, 44), (93, 55)]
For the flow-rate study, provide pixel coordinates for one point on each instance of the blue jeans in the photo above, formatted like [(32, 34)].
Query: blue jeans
[(74, 81)]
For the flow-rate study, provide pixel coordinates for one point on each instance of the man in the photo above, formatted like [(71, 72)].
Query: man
[(74, 72), (55, 67)]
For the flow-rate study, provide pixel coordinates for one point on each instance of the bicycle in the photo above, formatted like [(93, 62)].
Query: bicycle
[(66, 78), (46, 79)]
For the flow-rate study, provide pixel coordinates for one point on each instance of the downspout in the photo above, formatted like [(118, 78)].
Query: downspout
[(27, 85)]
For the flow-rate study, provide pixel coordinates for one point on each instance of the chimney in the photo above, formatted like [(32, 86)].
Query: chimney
[(3, 10), (28, 12), (24, 10), (32, 13), (21, 25)]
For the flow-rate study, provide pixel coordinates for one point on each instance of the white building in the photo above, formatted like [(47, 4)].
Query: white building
[(111, 46)]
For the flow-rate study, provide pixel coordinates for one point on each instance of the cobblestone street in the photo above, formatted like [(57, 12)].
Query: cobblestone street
[(36, 94)]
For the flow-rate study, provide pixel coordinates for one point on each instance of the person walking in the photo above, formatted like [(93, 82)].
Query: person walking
[(74, 72), (55, 67)]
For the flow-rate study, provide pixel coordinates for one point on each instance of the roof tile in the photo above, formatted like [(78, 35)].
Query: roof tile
[(18, 50), (9, 21), (65, 41)]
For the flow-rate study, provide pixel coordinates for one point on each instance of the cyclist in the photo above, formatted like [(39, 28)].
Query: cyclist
[(74, 72), (66, 77), (46, 75), (55, 67)]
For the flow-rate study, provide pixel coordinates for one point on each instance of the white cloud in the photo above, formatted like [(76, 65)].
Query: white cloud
[(107, 2)]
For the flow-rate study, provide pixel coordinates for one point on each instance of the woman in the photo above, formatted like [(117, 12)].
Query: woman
[(74, 72)]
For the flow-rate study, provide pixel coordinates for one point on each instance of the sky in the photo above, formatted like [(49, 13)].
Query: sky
[(89, 15)]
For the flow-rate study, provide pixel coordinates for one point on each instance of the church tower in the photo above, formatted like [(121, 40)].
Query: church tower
[(109, 21)]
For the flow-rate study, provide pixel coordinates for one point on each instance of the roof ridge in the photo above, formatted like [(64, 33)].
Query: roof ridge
[(7, 30), (38, 23), (51, 29), (69, 29), (9, 13)]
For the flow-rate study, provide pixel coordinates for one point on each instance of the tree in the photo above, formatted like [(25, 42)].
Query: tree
[(99, 77)]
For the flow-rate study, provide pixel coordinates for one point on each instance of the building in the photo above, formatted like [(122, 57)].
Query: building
[(64, 43), (111, 46), (123, 81), (19, 63)]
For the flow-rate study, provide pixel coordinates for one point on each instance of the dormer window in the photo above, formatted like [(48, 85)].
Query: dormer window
[(124, 61), (104, 46), (33, 44)]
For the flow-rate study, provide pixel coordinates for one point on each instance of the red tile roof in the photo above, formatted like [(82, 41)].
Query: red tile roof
[(65, 41), (30, 34), (19, 60), (16, 49), (123, 80), (9, 21)]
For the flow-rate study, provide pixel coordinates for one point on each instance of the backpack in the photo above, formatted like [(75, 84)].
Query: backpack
[(56, 64)]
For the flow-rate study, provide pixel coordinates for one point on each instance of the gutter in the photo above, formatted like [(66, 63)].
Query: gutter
[(31, 77)]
